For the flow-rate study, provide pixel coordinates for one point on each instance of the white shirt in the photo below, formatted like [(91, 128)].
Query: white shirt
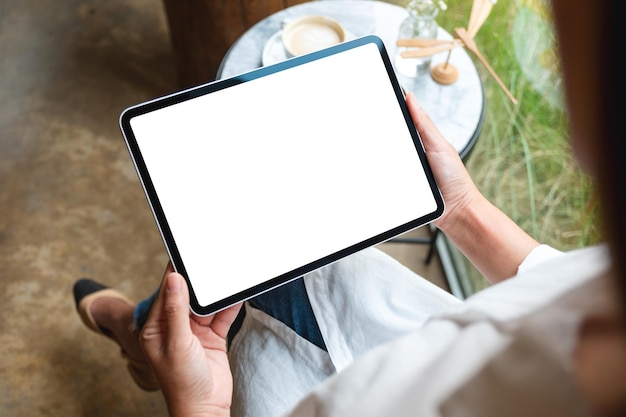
[(399, 345)]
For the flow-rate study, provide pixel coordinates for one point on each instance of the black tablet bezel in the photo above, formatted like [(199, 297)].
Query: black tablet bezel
[(178, 97)]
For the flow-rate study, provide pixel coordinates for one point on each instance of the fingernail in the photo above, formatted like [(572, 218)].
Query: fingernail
[(173, 282)]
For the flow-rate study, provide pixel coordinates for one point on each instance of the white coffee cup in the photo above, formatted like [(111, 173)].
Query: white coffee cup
[(311, 33)]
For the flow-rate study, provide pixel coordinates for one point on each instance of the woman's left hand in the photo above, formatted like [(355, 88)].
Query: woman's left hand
[(187, 352)]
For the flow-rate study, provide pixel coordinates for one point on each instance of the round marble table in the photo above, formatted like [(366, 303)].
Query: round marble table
[(457, 109)]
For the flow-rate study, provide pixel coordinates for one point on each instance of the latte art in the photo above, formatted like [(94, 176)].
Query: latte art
[(310, 34)]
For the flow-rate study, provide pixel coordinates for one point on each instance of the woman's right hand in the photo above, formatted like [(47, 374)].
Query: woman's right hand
[(454, 181)]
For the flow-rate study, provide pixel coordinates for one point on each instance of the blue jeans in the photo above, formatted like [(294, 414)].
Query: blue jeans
[(288, 303)]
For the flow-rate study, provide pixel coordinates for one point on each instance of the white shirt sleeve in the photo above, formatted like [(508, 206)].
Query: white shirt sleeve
[(538, 255)]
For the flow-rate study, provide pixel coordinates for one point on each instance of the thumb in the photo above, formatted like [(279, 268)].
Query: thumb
[(432, 138), (176, 307)]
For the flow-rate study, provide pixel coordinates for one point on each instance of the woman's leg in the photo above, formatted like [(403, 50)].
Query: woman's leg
[(140, 315)]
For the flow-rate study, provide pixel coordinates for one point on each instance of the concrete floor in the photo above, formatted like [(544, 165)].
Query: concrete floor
[(70, 201)]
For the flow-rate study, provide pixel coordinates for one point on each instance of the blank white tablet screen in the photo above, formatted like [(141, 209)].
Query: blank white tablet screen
[(261, 178)]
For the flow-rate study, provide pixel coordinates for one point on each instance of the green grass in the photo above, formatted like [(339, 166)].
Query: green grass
[(522, 161)]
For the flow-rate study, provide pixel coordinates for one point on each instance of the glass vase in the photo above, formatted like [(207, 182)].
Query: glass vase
[(419, 24)]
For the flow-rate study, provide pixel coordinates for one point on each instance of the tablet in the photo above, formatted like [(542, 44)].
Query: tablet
[(258, 179)]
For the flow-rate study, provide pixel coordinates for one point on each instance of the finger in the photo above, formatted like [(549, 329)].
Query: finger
[(221, 321), (152, 333), (157, 306), (416, 111), (419, 116), (431, 137), (176, 307), (155, 313), (224, 320)]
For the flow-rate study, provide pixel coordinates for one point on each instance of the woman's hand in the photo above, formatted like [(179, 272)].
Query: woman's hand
[(456, 186), (188, 353), (486, 236)]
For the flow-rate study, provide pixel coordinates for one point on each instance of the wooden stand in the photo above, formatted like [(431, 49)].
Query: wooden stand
[(444, 73)]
